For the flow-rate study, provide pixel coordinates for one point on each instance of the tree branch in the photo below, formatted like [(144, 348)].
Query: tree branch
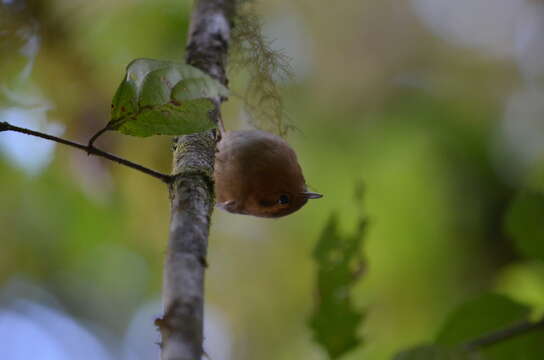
[(504, 334), (89, 149), (192, 196)]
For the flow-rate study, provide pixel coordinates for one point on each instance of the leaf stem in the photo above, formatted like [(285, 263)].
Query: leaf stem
[(90, 149), (95, 136), (503, 334)]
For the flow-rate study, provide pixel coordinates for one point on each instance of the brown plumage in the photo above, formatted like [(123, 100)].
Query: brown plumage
[(257, 173)]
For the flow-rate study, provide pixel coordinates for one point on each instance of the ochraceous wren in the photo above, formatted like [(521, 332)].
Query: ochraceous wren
[(257, 173)]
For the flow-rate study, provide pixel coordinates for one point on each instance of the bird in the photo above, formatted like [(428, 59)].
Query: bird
[(257, 173)]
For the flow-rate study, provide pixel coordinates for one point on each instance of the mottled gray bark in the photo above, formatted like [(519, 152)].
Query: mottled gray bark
[(192, 197)]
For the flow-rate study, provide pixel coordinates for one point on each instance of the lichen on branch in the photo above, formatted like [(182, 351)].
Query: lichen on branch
[(252, 52)]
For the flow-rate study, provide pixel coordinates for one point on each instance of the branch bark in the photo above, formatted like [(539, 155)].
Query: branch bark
[(192, 195)]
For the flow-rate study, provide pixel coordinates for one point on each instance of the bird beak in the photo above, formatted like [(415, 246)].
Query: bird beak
[(311, 195)]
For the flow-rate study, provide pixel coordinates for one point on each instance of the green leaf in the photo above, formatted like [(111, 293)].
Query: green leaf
[(491, 313), (197, 87), (525, 224), (124, 101), (164, 98), (436, 352), (335, 321)]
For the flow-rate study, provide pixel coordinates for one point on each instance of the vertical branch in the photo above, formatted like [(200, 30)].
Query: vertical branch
[(192, 197)]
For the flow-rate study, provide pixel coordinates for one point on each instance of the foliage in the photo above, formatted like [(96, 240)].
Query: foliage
[(335, 321), (428, 124), (480, 316), (524, 223), (164, 98)]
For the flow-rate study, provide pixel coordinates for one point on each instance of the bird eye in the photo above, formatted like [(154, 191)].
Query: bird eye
[(284, 199)]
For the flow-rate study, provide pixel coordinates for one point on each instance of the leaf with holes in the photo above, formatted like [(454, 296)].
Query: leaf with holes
[(335, 321)]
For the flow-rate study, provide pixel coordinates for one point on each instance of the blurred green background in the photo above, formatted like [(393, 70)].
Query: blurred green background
[(437, 106)]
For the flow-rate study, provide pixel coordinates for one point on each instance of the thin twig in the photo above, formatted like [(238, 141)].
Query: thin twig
[(4, 126), (503, 334)]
